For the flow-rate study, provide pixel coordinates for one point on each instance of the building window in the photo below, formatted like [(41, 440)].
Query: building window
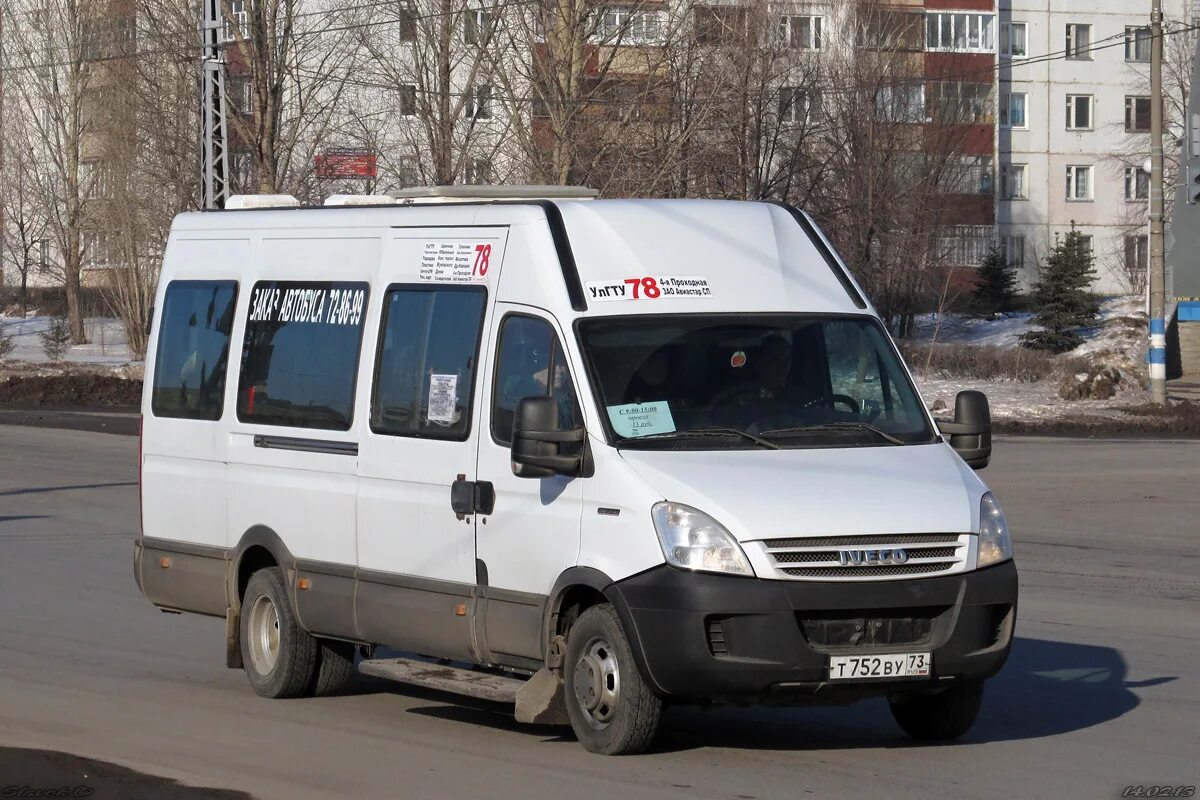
[(1012, 182), (1137, 255), (478, 172), (967, 175), (958, 32), (480, 106), (1079, 182), (408, 100), (1013, 249), (237, 21), (1079, 112), (965, 102), (1137, 114), (1137, 44), (407, 24), (900, 103), (1012, 110), (801, 32), (1013, 37), (477, 26), (795, 104), (1088, 242), (627, 25), (720, 24), (98, 249), (1137, 184), (43, 248), (1079, 41)]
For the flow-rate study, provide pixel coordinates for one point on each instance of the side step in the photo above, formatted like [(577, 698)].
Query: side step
[(469, 682)]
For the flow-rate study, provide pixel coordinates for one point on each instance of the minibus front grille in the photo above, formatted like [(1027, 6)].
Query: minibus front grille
[(831, 556), (867, 557), (863, 541), (889, 571)]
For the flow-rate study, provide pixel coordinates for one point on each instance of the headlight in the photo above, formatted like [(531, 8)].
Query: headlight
[(693, 540), (994, 544)]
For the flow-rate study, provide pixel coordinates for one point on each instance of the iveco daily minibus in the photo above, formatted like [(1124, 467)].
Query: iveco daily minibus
[(590, 457)]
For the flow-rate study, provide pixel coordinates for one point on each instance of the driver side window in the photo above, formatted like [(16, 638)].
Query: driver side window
[(530, 363)]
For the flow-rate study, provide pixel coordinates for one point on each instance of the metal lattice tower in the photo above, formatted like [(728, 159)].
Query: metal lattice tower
[(214, 159)]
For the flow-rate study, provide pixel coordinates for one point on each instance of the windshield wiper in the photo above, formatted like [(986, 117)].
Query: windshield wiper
[(835, 426), (697, 433)]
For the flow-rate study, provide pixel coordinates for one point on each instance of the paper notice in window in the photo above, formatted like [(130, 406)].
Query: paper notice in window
[(641, 419), (443, 397)]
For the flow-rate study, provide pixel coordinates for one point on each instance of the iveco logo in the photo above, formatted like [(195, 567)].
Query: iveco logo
[(864, 558)]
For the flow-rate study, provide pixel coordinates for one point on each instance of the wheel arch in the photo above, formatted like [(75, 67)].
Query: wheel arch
[(259, 547)]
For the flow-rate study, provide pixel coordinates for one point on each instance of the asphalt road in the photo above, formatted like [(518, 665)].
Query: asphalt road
[(1102, 691)]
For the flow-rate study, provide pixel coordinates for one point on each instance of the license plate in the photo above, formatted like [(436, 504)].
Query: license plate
[(883, 666)]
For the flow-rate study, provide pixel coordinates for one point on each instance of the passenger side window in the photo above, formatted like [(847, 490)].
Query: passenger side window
[(854, 371), (300, 356), (193, 349), (531, 363), (425, 376)]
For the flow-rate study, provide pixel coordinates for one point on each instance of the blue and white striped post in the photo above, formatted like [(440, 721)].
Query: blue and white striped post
[(1158, 351)]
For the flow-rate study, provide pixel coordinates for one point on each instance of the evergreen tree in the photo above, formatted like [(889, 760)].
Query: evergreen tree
[(1063, 298), (996, 289), (56, 339)]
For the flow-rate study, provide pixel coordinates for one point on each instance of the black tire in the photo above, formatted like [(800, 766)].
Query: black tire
[(623, 719), (939, 717), (335, 667), (282, 665)]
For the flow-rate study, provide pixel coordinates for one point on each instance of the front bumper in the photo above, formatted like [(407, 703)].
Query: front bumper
[(701, 636)]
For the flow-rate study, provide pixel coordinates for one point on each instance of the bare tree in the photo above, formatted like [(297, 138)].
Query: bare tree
[(24, 219), (53, 45)]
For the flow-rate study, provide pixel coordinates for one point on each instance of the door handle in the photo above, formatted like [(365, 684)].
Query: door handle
[(472, 497)]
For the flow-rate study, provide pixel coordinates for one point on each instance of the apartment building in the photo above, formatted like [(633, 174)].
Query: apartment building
[(1074, 129)]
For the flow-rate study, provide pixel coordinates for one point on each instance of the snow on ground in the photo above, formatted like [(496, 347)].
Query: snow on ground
[(1005, 331), (106, 341), (1118, 339)]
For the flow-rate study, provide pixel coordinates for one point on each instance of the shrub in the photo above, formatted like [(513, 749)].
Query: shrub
[(7, 342), (987, 362), (996, 290), (56, 339), (1063, 296)]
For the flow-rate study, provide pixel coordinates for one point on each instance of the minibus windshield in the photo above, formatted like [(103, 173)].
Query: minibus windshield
[(726, 381)]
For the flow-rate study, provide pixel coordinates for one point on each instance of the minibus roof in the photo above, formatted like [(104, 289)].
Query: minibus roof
[(700, 256)]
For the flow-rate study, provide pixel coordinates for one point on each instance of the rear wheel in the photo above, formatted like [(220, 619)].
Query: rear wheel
[(280, 657), (612, 709), (335, 667), (939, 717)]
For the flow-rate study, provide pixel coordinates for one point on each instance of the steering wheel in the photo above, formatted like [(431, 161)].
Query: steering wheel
[(725, 396)]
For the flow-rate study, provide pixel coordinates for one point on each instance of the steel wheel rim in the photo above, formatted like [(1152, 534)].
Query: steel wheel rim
[(264, 635), (597, 683)]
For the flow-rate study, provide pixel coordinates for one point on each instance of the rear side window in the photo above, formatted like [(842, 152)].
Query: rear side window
[(192, 357), (425, 378), (300, 355)]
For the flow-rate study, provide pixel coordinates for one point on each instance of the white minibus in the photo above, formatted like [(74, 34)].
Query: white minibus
[(588, 457)]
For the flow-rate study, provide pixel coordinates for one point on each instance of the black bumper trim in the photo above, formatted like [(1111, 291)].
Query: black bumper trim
[(763, 652)]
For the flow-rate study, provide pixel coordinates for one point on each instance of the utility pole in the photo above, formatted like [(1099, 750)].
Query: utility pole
[(214, 163), (1158, 278)]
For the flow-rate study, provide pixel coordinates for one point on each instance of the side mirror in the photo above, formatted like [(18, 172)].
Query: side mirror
[(971, 429), (536, 439)]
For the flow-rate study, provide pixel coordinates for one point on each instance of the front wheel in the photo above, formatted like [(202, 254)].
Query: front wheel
[(939, 717), (612, 709)]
